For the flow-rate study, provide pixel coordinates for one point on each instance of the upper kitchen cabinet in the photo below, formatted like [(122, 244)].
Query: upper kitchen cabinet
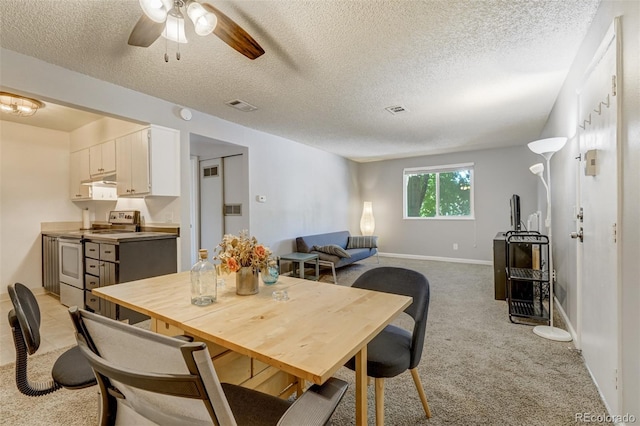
[(147, 163), (102, 159), (81, 185), (79, 171)]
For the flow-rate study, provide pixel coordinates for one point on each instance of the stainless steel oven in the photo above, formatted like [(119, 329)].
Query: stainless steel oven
[(71, 270)]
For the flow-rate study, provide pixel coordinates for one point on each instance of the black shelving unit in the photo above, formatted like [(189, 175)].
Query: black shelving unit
[(528, 288)]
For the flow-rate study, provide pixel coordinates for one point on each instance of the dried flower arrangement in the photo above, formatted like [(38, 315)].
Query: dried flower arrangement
[(237, 251)]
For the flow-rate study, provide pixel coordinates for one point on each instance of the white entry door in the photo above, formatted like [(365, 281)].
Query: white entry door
[(598, 189), (211, 204)]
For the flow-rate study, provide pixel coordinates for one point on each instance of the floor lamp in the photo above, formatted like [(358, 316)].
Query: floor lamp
[(546, 148)]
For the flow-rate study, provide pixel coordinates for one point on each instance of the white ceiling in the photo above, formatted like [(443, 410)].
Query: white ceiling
[(472, 74), (55, 117)]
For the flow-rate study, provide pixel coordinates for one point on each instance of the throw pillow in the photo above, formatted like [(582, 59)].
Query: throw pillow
[(333, 249), (362, 241)]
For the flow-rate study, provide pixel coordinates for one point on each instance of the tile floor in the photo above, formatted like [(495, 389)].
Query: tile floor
[(56, 329)]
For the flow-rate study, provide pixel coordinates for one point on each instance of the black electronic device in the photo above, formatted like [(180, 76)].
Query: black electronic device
[(516, 223)]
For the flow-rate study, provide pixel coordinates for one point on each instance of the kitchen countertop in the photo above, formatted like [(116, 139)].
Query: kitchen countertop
[(88, 235), (128, 236)]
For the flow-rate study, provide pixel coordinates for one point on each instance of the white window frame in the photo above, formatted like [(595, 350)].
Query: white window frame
[(439, 169)]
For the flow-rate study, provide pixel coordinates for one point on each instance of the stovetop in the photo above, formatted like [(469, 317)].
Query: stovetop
[(107, 231)]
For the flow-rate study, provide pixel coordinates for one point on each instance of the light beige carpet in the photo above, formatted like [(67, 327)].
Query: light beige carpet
[(477, 368)]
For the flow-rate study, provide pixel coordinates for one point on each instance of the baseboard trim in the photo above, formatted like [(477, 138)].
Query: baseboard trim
[(566, 320), (4, 297), (437, 258)]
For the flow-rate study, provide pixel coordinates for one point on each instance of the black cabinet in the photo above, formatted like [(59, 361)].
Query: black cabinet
[(520, 255), (109, 263), (101, 270)]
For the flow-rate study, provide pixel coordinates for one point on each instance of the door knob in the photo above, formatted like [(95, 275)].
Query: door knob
[(579, 235)]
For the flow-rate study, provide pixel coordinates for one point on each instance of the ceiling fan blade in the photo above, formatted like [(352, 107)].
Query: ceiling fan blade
[(232, 34), (145, 32)]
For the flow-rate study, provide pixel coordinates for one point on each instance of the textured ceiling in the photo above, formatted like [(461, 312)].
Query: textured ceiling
[(471, 74)]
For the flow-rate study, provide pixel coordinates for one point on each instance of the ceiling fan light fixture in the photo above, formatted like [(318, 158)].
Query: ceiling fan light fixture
[(174, 28), (19, 105), (204, 22), (156, 10)]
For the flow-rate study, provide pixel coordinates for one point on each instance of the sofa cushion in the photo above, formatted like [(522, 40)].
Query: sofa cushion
[(330, 257), (338, 262), (305, 244), (362, 241), (361, 253), (333, 249)]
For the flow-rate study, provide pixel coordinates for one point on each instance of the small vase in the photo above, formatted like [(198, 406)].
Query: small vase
[(247, 281), (269, 275)]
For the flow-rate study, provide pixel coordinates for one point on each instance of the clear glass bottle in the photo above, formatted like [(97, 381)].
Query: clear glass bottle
[(203, 281)]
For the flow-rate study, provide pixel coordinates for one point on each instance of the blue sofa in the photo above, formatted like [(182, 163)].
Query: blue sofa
[(307, 244)]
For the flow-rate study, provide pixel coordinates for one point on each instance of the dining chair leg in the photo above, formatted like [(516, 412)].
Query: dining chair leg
[(423, 397), (379, 401)]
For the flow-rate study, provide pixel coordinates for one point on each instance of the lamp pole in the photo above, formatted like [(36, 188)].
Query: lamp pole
[(546, 148)]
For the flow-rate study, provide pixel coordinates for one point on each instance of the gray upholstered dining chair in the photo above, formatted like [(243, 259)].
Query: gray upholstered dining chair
[(146, 378), (71, 370), (395, 350)]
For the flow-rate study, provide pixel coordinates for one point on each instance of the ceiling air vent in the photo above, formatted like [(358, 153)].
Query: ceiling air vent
[(397, 109), (241, 105)]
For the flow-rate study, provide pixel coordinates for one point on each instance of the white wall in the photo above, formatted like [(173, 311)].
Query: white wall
[(498, 173), (308, 191), (313, 191), (101, 130), (562, 121), (34, 188)]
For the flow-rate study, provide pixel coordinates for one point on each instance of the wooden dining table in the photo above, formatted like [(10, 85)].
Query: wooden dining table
[(307, 337)]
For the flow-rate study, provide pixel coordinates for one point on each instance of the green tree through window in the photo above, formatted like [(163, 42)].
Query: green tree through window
[(439, 192)]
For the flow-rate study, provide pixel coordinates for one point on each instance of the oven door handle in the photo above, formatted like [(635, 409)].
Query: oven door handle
[(70, 240)]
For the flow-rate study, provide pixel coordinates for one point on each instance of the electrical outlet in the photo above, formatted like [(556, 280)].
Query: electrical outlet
[(455, 246)]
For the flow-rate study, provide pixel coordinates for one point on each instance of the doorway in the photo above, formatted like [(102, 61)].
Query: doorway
[(219, 177), (211, 203)]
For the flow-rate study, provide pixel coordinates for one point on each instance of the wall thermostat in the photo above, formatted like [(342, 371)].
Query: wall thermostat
[(185, 114)]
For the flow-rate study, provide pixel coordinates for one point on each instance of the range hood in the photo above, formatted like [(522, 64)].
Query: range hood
[(107, 180)]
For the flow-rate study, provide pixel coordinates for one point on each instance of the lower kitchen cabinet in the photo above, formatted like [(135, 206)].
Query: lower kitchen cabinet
[(108, 263)]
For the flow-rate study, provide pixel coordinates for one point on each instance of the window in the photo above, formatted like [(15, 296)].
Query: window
[(439, 192)]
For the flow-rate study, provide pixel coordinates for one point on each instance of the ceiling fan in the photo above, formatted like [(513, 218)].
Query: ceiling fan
[(166, 18)]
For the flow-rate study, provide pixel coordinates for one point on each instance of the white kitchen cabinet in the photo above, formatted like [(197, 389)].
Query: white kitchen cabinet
[(102, 159), (79, 171), (147, 163)]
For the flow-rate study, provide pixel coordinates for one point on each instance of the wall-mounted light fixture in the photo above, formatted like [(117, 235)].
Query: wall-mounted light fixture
[(19, 105), (367, 221)]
